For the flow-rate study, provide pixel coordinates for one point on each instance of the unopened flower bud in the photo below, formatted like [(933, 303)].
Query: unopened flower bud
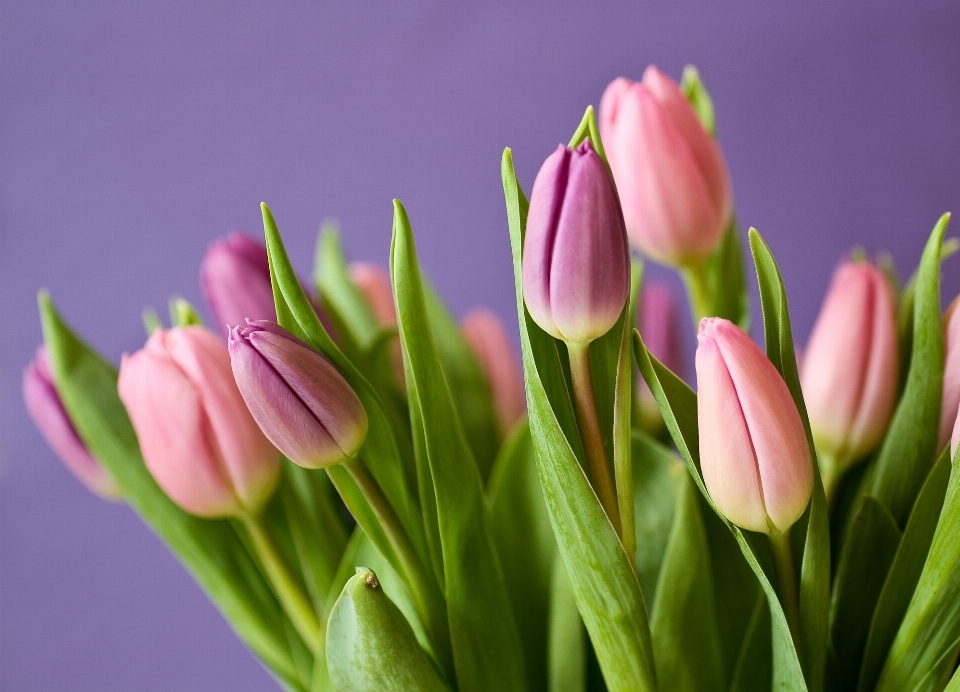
[(48, 413), (302, 404), (576, 260), (754, 455), (849, 374), (374, 283), (951, 376), (488, 339), (197, 437), (659, 326), (671, 175)]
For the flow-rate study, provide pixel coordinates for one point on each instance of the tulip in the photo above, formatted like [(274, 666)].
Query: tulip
[(849, 373), (951, 377), (48, 413), (754, 454), (488, 339), (576, 279), (670, 173), (374, 283), (197, 437), (660, 328), (302, 404)]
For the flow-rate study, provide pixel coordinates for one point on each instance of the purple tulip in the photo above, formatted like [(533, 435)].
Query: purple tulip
[(951, 377), (659, 326), (302, 404), (754, 454), (48, 413), (487, 337), (576, 260)]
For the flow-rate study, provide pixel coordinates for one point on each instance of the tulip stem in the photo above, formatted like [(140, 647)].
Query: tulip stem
[(830, 478), (291, 596), (426, 594), (597, 467), (787, 582), (698, 291)]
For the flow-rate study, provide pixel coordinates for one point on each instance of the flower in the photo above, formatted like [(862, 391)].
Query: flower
[(197, 437), (849, 374), (488, 339), (48, 413), (659, 326), (576, 260), (302, 404), (670, 173), (951, 376), (374, 283), (754, 455)]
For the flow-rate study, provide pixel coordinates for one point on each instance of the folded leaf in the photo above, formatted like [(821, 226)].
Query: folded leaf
[(654, 467), (567, 655)]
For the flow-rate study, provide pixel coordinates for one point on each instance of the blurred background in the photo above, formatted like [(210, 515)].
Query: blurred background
[(132, 134)]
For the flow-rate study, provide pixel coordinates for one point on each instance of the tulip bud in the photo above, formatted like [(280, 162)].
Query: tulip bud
[(197, 437), (951, 376), (374, 283), (849, 374), (302, 404), (48, 413), (670, 173), (660, 328), (488, 339), (754, 455), (576, 261)]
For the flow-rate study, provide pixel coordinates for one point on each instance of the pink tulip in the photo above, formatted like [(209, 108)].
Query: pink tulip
[(754, 455), (670, 173), (576, 261), (488, 339), (951, 376), (48, 413), (849, 374), (374, 283), (197, 437), (659, 326), (302, 404)]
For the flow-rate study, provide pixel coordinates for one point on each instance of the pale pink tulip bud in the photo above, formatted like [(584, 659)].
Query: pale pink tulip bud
[(197, 437), (576, 260), (849, 374), (297, 397), (659, 325), (670, 173), (374, 283), (951, 375), (488, 339), (48, 413), (754, 455)]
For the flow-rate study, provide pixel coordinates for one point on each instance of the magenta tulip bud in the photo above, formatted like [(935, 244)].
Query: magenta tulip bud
[(659, 325), (298, 398), (849, 373), (951, 376), (754, 455), (48, 413), (576, 260), (671, 175), (197, 437), (488, 339)]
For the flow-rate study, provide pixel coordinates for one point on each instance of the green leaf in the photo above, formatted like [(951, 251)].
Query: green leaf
[(182, 314), (909, 448), (567, 655), (602, 579), (678, 404), (151, 321), (931, 626), (686, 641), (866, 558), (904, 573), (699, 98), (209, 549), (370, 646), (751, 669), (525, 546), (587, 129), (724, 276), (815, 569), (486, 645), (654, 467)]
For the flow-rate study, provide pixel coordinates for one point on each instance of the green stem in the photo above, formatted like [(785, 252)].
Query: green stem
[(698, 292), (787, 582), (829, 474), (597, 467), (291, 596), (426, 594)]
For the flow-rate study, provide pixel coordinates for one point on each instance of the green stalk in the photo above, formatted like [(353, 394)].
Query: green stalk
[(291, 596), (829, 473), (787, 583), (426, 594), (698, 291), (597, 467)]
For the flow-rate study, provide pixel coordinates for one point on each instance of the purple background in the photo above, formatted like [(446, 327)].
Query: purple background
[(131, 134)]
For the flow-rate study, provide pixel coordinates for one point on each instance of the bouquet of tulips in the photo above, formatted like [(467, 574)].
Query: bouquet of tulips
[(375, 499)]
